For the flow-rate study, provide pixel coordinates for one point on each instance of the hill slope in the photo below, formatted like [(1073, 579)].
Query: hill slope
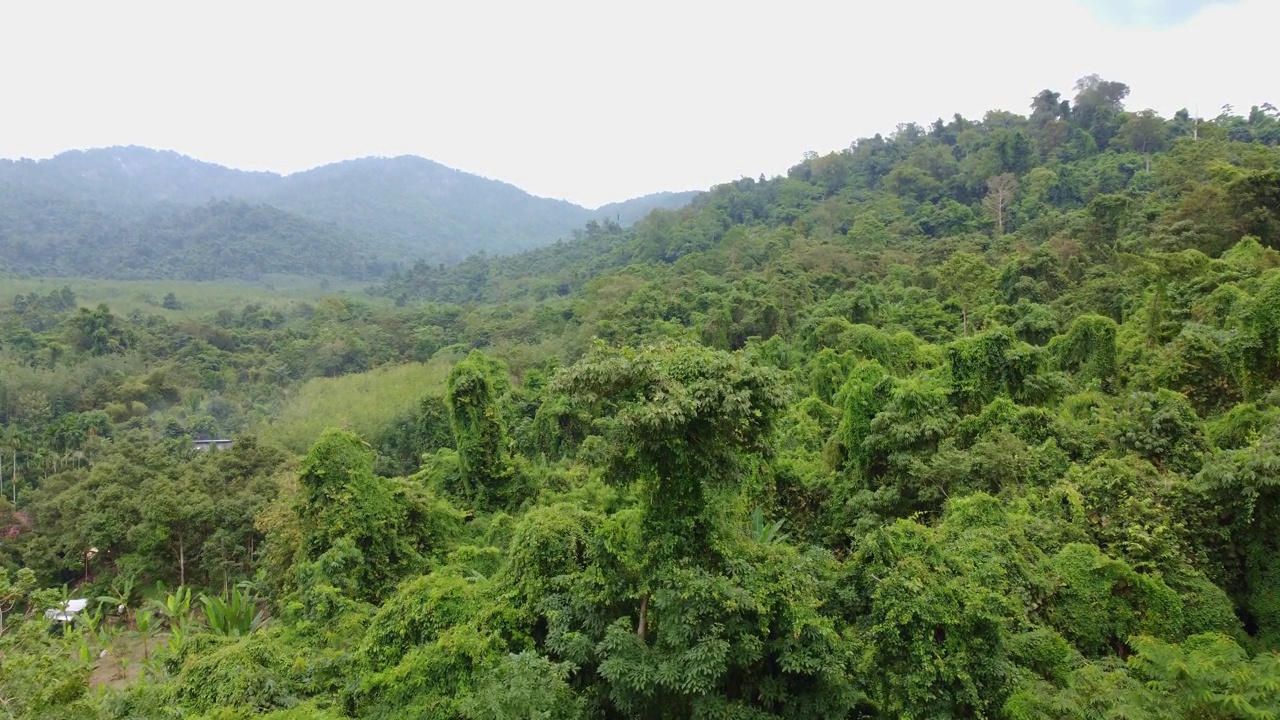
[(48, 234), (629, 212)]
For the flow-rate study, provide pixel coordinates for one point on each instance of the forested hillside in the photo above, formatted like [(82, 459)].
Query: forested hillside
[(629, 212), (974, 420), (131, 212), (49, 235)]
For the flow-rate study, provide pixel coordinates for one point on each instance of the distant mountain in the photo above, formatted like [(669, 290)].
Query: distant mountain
[(47, 234), (629, 212), (129, 179), (408, 207), (138, 212)]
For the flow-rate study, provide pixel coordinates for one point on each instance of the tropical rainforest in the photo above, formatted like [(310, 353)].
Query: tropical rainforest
[(977, 419)]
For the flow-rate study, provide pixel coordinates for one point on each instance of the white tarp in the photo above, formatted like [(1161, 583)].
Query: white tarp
[(68, 611)]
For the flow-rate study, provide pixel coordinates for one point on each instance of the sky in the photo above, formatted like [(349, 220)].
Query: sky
[(590, 101)]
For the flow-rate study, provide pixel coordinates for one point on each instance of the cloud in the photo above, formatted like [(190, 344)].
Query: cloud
[(1150, 13)]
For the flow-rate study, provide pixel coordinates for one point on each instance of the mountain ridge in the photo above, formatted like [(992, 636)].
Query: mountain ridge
[(67, 155), (376, 212)]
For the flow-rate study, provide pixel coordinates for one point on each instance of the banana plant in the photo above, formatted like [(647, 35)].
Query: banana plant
[(764, 532), (175, 608), (121, 596), (143, 620), (235, 615)]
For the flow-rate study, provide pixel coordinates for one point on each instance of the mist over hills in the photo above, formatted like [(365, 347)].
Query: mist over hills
[(134, 212)]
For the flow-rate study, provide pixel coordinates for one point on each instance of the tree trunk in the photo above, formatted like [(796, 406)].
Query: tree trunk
[(642, 627), (964, 313), (182, 563)]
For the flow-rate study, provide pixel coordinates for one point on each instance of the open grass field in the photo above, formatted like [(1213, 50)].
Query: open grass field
[(364, 403), (197, 298)]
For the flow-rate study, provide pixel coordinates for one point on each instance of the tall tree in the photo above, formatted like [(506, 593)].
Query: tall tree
[(1001, 192), (1144, 132), (479, 429), (1098, 106), (966, 278), (674, 418)]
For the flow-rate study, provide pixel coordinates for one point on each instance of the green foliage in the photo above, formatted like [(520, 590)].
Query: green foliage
[(14, 590), (672, 418), (968, 280), (421, 431), (384, 530), (41, 678), (254, 673), (433, 680), (488, 478), (548, 544), (930, 641), (863, 396), (1208, 677), (993, 363), (764, 532), (417, 613), (1088, 349), (525, 685), (235, 615), (1131, 510), (1163, 428), (1100, 602), (1237, 494)]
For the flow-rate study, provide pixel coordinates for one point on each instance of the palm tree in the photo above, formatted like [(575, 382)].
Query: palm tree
[(10, 443)]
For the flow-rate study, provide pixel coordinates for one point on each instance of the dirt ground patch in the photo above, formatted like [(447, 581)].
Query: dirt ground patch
[(124, 662)]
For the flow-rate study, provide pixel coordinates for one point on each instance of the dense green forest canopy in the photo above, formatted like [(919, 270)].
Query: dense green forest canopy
[(977, 419), (130, 212)]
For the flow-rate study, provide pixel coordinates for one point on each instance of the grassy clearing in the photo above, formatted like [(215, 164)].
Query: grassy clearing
[(197, 298), (364, 403)]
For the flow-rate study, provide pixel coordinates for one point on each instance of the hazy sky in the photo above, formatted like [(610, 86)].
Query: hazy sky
[(589, 101)]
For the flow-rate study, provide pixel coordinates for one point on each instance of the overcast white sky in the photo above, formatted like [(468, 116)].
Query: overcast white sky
[(589, 101)]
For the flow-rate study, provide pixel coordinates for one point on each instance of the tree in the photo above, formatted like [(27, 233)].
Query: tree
[(361, 533), (1048, 106), (1236, 502), (672, 418), (1098, 107), (928, 631), (1144, 132), (1001, 192), (480, 433), (1088, 349), (175, 515), (98, 331), (524, 685), (1106, 215), (1256, 201), (967, 279), (14, 590)]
